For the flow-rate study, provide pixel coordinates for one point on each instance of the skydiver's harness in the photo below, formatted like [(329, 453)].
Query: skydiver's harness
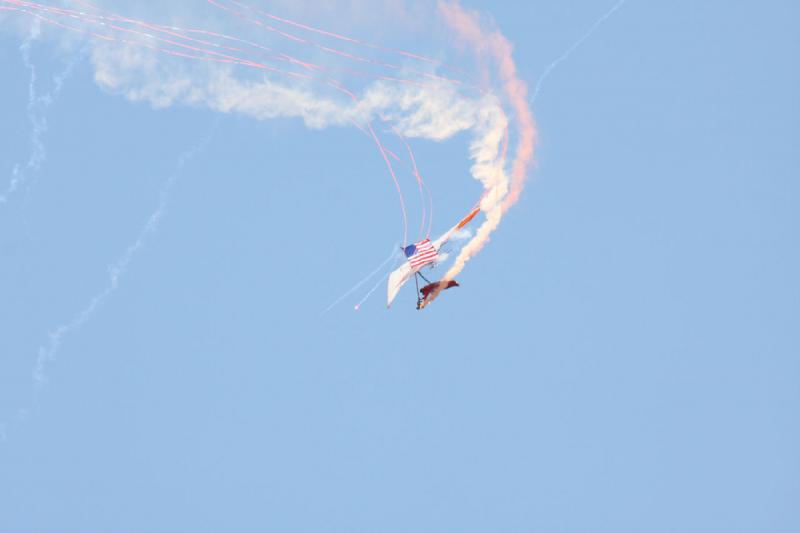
[(416, 281)]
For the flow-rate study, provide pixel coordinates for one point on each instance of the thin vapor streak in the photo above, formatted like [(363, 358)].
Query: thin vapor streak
[(37, 107), (354, 288), (371, 291), (575, 45), (116, 270), (18, 174)]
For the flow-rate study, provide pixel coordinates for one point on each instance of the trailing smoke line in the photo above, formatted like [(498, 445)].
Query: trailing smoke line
[(48, 352)]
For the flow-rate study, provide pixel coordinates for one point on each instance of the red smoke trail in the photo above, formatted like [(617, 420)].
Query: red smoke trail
[(422, 189), (94, 19), (101, 20), (171, 30), (382, 150), (394, 155), (352, 40), (109, 38), (56, 23), (202, 53), (396, 183), (322, 47)]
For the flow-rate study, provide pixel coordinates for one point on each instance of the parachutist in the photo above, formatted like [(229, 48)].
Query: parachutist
[(424, 253), (433, 289)]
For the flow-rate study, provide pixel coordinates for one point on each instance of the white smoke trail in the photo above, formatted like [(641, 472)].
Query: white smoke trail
[(488, 151), (575, 45), (34, 161), (37, 108), (435, 110), (116, 270)]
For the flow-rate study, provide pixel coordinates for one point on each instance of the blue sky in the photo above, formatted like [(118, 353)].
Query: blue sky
[(623, 355)]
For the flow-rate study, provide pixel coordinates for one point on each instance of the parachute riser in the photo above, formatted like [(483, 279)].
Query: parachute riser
[(420, 299)]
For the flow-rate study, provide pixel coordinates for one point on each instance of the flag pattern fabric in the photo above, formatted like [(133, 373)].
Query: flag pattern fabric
[(421, 253)]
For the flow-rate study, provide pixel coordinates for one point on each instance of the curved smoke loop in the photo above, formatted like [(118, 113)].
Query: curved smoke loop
[(128, 54), (434, 110)]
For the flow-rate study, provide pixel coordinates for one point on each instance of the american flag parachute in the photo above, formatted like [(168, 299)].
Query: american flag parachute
[(420, 255)]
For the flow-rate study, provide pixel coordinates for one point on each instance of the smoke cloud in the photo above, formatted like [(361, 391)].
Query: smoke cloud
[(416, 95)]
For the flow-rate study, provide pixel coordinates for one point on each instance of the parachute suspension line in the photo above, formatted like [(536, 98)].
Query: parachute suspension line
[(340, 37), (418, 275), (416, 282)]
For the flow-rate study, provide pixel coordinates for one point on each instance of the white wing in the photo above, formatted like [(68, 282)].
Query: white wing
[(397, 279)]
